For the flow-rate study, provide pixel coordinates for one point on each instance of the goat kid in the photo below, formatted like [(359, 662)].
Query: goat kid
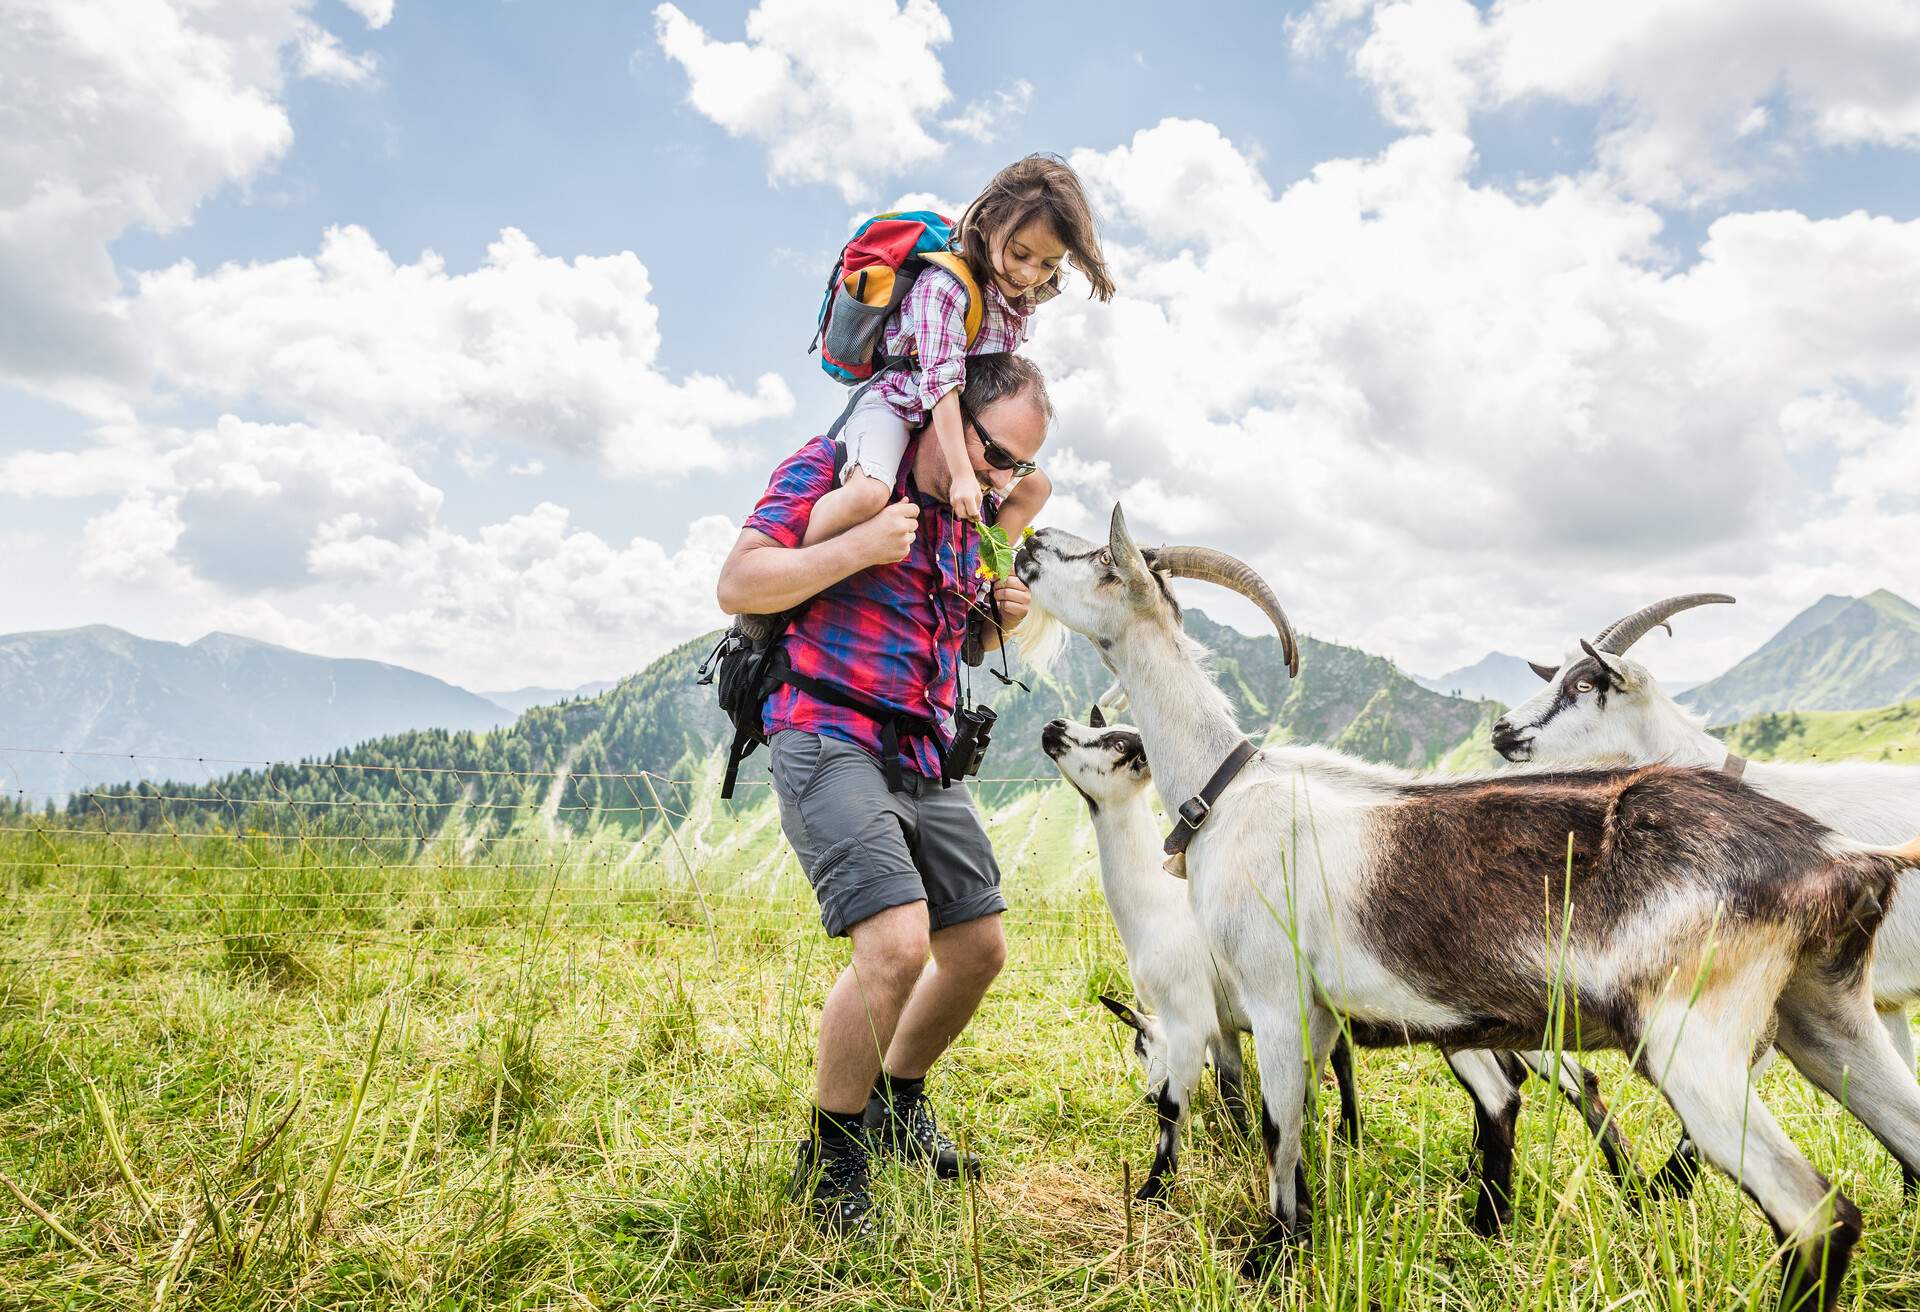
[(1189, 1017), (1696, 913), (1600, 708)]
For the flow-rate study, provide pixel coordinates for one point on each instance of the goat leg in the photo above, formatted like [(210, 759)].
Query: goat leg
[(1496, 1110), (1342, 1059)]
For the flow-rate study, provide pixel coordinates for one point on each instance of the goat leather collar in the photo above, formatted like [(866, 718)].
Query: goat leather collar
[(1195, 810), (1734, 766)]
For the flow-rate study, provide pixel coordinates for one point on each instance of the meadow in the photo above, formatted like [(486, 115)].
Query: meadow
[(309, 1067)]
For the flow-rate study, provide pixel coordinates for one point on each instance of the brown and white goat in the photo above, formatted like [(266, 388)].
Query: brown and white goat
[(1188, 1018), (1661, 911)]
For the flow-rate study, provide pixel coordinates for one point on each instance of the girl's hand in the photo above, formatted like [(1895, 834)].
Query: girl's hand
[(965, 500)]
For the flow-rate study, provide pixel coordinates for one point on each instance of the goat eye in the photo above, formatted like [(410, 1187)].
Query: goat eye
[(1105, 558), (1584, 685)]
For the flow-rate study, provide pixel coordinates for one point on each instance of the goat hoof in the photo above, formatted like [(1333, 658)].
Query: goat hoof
[(1909, 1185), (1676, 1179), (1274, 1250), (1489, 1220), (1153, 1191)]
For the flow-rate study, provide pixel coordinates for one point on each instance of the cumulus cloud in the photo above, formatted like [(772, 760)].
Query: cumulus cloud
[(326, 538), (1697, 97), (1386, 366), (528, 346), (837, 91), (123, 114)]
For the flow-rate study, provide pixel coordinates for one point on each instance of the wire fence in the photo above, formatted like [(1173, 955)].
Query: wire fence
[(172, 860)]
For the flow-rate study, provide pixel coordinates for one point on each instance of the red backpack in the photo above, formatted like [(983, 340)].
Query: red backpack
[(870, 280)]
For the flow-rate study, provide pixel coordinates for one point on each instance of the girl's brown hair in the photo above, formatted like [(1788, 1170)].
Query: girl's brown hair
[(1037, 187)]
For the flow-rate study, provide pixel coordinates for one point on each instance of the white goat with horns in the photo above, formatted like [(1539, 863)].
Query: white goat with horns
[(1600, 708), (1694, 913)]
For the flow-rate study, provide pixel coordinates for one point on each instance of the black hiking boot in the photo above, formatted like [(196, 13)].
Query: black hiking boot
[(832, 1178), (903, 1124)]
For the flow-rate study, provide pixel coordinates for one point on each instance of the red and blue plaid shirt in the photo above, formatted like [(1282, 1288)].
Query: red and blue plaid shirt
[(890, 634)]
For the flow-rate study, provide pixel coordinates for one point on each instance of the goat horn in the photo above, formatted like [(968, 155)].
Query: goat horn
[(1624, 632), (1210, 566)]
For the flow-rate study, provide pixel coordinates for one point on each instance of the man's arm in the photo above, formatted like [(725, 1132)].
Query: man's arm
[(762, 577)]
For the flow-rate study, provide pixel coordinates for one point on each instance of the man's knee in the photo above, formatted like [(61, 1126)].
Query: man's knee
[(976, 950), (890, 949)]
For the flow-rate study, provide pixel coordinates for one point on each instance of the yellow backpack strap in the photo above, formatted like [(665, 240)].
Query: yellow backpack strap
[(956, 264)]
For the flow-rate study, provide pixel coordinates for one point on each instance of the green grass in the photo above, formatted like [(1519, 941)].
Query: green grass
[(1888, 733), (564, 1100)]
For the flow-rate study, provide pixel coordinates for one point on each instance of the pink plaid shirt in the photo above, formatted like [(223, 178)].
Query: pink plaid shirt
[(931, 326)]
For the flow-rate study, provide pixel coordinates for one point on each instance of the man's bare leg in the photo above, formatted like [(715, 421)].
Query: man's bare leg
[(862, 1011), (966, 959), (855, 501)]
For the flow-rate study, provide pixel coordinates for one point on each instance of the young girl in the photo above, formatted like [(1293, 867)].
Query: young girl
[(1013, 236)]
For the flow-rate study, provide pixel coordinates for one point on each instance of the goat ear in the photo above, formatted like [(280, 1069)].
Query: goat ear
[(1127, 558), (1095, 719), (1607, 663), (1124, 1012), (1546, 672)]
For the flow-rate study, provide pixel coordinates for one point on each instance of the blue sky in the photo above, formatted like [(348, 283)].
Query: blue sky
[(1470, 326)]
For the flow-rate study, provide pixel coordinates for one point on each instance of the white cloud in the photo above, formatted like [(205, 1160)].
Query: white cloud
[(982, 119), (1698, 97), (838, 91), (328, 540), (122, 114), (527, 346), (1411, 397)]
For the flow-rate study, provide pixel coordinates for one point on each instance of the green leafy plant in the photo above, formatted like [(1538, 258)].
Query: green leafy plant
[(996, 552)]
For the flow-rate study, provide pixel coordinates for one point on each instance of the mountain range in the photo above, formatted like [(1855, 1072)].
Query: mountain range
[(661, 722), (103, 691), (87, 696), (1839, 654)]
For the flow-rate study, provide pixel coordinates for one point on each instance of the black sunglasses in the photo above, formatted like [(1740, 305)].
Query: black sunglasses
[(997, 456)]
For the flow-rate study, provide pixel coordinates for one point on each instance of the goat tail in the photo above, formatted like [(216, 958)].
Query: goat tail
[(1908, 854)]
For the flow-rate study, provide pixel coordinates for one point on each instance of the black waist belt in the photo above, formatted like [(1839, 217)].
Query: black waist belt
[(892, 723)]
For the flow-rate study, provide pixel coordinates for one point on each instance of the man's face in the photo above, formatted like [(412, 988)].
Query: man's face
[(1016, 427)]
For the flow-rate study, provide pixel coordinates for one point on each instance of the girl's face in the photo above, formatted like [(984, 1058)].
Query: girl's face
[(1026, 257)]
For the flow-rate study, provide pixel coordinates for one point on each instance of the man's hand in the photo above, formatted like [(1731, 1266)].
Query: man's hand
[(1015, 601), (888, 536)]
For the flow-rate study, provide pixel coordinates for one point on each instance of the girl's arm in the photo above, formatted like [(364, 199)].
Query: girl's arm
[(950, 431), (1023, 503), (935, 313)]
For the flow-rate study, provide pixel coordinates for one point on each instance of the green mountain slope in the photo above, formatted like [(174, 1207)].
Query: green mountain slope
[(1889, 733), (539, 773), (1841, 653)]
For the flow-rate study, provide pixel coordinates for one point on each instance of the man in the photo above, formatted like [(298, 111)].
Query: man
[(899, 863)]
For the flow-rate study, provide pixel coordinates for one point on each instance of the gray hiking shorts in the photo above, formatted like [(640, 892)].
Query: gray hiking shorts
[(865, 849)]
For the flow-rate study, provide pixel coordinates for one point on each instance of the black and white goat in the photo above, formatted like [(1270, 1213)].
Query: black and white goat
[(1187, 1020), (1679, 914), (1599, 707)]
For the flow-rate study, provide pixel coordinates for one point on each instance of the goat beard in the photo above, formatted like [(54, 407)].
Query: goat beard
[(1040, 638)]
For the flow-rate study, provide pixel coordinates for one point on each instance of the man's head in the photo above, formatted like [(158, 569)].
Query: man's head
[(1006, 416)]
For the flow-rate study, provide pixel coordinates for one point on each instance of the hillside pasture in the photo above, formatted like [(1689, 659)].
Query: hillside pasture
[(300, 1070)]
